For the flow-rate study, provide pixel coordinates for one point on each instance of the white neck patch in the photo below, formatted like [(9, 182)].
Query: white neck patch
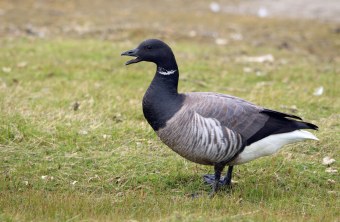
[(165, 72)]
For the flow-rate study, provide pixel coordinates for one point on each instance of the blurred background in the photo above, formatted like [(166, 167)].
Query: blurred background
[(118, 20)]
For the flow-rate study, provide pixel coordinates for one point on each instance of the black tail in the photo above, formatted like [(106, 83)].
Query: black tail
[(305, 125), (289, 117), (277, 114), (279, 123)]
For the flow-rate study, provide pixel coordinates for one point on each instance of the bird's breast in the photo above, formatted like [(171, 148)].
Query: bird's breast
[(159, 107)]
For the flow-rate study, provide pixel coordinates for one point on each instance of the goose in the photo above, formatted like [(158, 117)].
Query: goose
[(211, 128)]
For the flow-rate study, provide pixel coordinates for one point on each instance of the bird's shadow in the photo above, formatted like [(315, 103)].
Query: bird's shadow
[(192, 186)]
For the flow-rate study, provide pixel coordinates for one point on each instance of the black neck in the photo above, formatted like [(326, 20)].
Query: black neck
[(161, 101), (166, 83), (166, 77), (169, 63)]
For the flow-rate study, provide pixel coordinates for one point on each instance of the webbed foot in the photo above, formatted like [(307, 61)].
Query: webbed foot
[(216, 183), (210, 179)]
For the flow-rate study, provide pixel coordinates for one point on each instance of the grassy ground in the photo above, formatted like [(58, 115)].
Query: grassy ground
[(75, 146)]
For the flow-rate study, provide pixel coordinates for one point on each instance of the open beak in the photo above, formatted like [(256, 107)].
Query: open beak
[(134, 53)]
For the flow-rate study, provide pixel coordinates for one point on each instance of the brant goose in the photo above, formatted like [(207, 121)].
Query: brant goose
[(211, 128)]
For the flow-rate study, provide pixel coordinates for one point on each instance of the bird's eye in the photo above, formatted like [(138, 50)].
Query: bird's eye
[(149, 47)]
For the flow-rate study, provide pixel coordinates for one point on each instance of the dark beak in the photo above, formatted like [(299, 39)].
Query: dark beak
[(134, 53)]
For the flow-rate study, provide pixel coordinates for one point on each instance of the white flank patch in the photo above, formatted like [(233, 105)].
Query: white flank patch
[(166, 72), (271, 144)]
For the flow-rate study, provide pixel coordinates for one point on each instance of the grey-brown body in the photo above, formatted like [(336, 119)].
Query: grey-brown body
[(211, 128)]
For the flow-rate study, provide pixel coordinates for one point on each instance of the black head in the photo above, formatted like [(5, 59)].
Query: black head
[(151, 50)]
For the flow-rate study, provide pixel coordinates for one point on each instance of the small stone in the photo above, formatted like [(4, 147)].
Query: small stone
[(6, 69), (22, 64), (74, 182), (330, 181), (262, 12), (331, 170), (76, 106), (318, 91), (83, 132), (247, 70), (215, 7), (192, 33), (327, 161), (236, 36), (257, 59), (221, 41)]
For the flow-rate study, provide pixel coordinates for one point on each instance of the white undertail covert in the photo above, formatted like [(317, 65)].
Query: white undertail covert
[(270, 145)]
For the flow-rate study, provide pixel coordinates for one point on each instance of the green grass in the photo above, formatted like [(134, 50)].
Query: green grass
[(103, 162)]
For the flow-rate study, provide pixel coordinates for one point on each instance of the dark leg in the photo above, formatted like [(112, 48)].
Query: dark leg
[(218, 170), (210, 178), (227, 178)]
